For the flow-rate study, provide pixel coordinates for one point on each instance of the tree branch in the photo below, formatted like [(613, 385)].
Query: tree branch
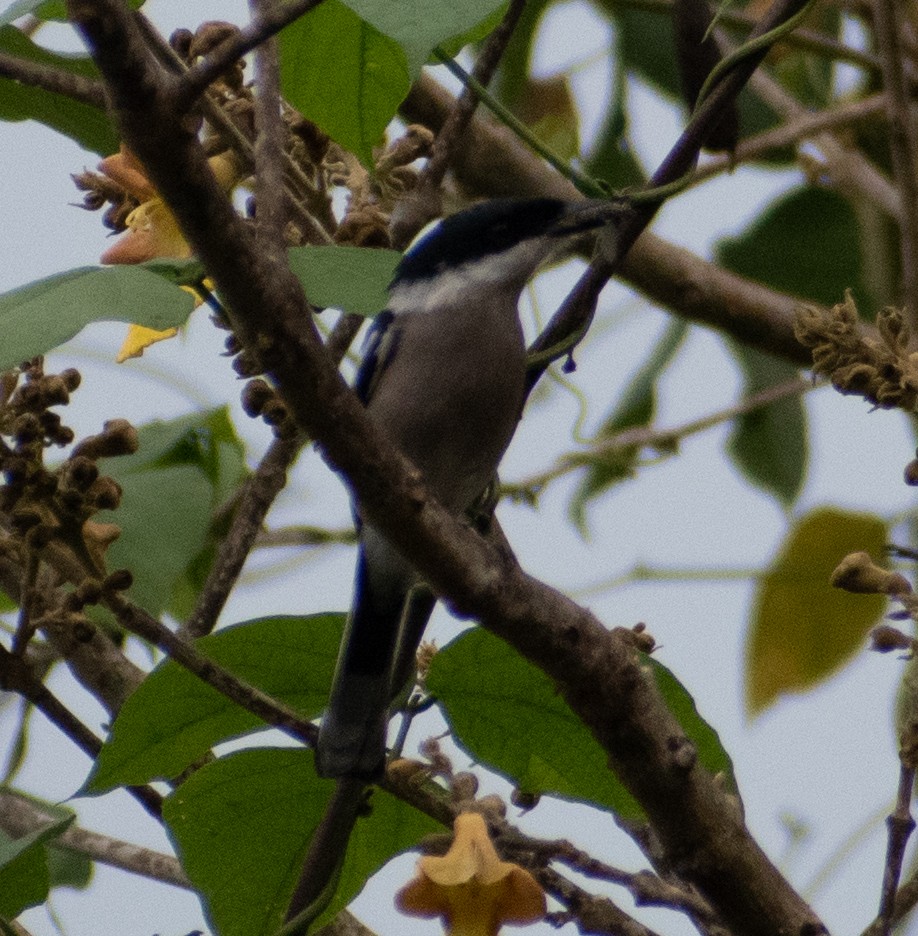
[(270, 216), (903, 144), (258, 494), (268, 23), (19, 816), (76, 87), (275, 713), (16, 676)]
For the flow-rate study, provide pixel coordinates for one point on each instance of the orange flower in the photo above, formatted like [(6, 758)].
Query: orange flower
[(470, 888), (152, 231)]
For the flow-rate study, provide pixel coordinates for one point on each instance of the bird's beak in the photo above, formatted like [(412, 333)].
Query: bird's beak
[(589, 215)]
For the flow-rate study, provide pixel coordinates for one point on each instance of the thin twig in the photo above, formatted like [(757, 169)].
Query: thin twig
[(77, 87), (424, 202), (903, 144), (275, 713), (305, 536), (850, 170), (256, 498), (258, 494), (270, 131), (16, 676), (269, 22), (900, 824), (20, 816), (795, 130), (660, 440)]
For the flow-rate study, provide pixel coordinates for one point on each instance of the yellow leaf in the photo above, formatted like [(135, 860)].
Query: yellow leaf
[(803, 630), (139, 339)]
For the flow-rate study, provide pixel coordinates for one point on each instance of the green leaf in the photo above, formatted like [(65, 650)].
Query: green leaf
[(806, 243), (636, 407), (173, 717), (420, 25), (43, 315), (242, 825), (344, 75), (803, 629), (44, 10), (519, 725), (352, 279), (183, 470), (88, 126), (712, 755), (24, 878), (164, 517), (769, 444)]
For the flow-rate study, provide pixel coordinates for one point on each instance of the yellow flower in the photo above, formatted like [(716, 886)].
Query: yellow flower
[(470, 888)]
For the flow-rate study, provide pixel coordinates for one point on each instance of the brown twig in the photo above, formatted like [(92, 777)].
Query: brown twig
[(275, 713), (661, 440), (16, 676), (269, 22), (423, 204), (796, 129), (591, 913), (903, 144), (20, 816), (900, 824), (269, 140), (850, 170), (258, 494), (85, 90)]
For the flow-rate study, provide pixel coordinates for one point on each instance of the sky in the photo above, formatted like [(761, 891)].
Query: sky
[(825, 759)]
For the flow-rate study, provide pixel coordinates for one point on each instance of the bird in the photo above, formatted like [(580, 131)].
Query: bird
[(443, 377)]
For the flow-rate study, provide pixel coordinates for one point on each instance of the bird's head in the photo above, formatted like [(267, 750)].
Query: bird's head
[(493, 246)]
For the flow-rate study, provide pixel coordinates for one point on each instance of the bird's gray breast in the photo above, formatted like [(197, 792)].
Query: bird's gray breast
[(450, 394)]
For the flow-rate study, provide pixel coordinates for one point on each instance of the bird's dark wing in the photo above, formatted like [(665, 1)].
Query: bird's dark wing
[(377, 352)]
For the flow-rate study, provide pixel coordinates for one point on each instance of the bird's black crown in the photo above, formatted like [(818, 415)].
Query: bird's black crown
[(485, 230)]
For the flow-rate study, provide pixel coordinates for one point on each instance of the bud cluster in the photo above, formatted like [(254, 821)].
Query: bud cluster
[(880, 370), (44, 505)]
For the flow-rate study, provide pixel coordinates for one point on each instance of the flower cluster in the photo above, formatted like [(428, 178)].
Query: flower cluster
[(880, 370)]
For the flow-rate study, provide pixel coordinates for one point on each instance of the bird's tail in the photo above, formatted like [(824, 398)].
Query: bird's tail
[(375, 659)]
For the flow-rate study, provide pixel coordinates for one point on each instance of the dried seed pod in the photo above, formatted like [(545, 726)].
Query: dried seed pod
[(118, 581), (858, 573), (105, 493), (255, 396), (697, 53)]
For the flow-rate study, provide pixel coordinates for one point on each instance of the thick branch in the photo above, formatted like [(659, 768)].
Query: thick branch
[(599, 673)]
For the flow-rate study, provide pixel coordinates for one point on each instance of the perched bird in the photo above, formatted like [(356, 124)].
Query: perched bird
[(443, 377)]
